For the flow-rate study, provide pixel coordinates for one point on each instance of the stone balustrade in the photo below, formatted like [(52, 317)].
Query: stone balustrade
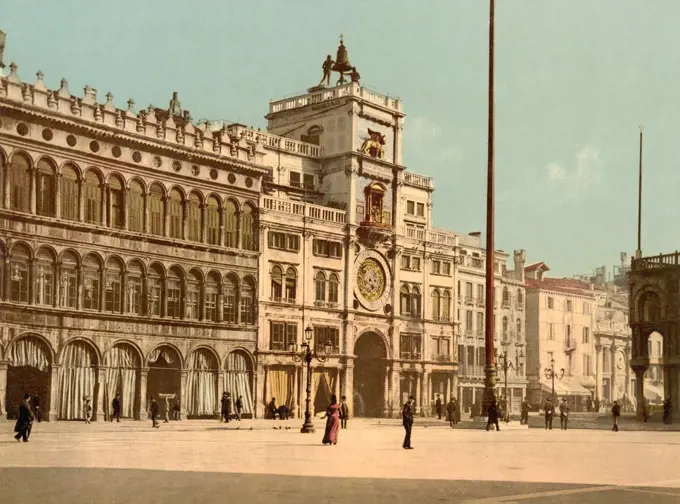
[(416, 180), (348, 90), (301, 209), (427, 235)]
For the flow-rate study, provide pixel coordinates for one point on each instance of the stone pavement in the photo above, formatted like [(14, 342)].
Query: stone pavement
[(199, 461)]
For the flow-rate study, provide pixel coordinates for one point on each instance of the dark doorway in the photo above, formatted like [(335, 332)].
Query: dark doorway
[(322, 397), (369, 376), (27, 380), (164, 378)]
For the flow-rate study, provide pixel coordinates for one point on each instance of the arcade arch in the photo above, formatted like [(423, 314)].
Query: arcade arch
[(30, 359), (370, 372)]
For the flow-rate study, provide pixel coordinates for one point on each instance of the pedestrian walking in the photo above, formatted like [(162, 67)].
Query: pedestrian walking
[(330, 436), (224, 415), (492, 415), (153, 409), (589, 404), (344, 412), (407, 421), (36, 406), (451, 413), (524, 418), (564, 414), (25, 421), (667, 411), (87, 411), (456, 410), (239, 407), (227, 405), (549, 409), (115, 406), (616, 413), (176, 411), (597, 405), (438, 407)]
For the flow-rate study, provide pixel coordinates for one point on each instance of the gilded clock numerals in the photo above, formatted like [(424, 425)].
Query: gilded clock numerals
[(371, 280)]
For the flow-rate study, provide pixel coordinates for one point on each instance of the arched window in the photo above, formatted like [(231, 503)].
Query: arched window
[(46, 189), (416, 302), (446, 306), (277, 283), (155, 290), (156, 213), (211, 289), (68, 283), (405, 300), (91, 282), (135, 206), (212, 221), (174, 293), (193, 296), (115, 203), (320, 284), (69, 193), (435, 305), (135, 291), (194, 218), (19, 264), (114, 278), (230, 224), (291, 285), (248, 229), (19, 184), (247, 296), (44, 278), (93, 198), (520, 297), (333, 288), (505, 327), (650, 307), (175, 214), (506, 296), (229, 299)]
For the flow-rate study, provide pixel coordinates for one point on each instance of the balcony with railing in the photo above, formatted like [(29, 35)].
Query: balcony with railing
[(348, 90), (472, 371), (469, 300), (570, 344), (283, 300), (440, 357), (472, 262), (427, 235), (661, 261), (413, 179), (269, 141), (519, 305), (301, 209)]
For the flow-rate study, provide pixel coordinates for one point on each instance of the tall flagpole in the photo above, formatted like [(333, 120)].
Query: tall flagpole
[(490, 368), (638, 252)]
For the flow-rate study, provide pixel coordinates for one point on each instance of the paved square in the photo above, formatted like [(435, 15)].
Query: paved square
[(198, 461)]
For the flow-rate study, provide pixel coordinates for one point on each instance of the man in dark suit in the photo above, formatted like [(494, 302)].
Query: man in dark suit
[(115, 404), (616, 413), (25, 420), (564, 414), (154, 412), (524, 419), (344, 412), (407, 420), (549, 409), (438, 407), (492, 416)]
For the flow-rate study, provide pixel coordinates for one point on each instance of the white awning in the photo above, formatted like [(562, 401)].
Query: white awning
[(567, 386)]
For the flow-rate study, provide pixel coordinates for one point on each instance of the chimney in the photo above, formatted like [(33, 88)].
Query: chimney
[(624, 259), (519, 259)]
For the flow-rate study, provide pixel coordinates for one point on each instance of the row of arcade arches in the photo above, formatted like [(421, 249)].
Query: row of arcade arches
[(124, 371)]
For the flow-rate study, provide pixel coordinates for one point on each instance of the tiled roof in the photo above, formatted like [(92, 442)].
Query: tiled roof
[(534, 266), (564, 285)]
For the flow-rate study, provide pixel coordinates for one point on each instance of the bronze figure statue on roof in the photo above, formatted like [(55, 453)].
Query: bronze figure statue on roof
[(340, 65)]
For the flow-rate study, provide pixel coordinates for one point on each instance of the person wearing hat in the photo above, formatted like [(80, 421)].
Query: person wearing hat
[(549, 409), (407, 420), (25, 420), (564, 414), (616, 413)]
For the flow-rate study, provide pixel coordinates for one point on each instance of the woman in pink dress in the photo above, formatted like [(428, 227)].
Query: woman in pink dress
[(332, 422)]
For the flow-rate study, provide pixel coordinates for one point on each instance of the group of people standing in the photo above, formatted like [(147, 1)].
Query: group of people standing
[(226, 407), (452, 410)]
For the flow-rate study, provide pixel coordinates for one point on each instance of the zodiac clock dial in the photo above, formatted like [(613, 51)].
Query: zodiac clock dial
[(372, 280)]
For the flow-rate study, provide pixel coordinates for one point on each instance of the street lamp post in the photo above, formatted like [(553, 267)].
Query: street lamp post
[(506, 365), (307, 354), (550, 374)]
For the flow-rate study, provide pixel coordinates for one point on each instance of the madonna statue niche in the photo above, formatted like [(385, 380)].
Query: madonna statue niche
[(377, 223)]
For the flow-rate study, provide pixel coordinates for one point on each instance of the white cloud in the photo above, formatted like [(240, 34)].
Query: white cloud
[(573, 179)]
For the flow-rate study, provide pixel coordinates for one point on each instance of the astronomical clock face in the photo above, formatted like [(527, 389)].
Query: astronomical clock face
[(372, 280)]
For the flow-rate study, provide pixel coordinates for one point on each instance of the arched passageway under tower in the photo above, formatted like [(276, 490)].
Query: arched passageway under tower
[(370, 376), (28, 373)]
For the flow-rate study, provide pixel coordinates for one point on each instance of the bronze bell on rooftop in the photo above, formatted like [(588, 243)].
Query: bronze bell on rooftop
[(342, 64)]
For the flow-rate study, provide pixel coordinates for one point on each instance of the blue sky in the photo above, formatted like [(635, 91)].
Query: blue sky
[(574, 79)]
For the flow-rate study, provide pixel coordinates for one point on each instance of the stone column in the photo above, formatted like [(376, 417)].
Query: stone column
[(203, 207), (612, 382), (102, 290), (419, 397), (449, 391), (101, 380), (598, 371), (6, 188), (220, 304), (430, 392), (54, 392), (221, 383), (185, 220), (81, 201), (396, 390), (639, 390), (32, 266), (164, 298), (337, 384), (183, 395), (57, 200), (145, 213), (166, 218), (386, 393), (102, 205), (349, 387), (296, 391), (3, 390), (32, 191), (7, 277), (57, 290), (143, 399), (79, 288), (126, 214)]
